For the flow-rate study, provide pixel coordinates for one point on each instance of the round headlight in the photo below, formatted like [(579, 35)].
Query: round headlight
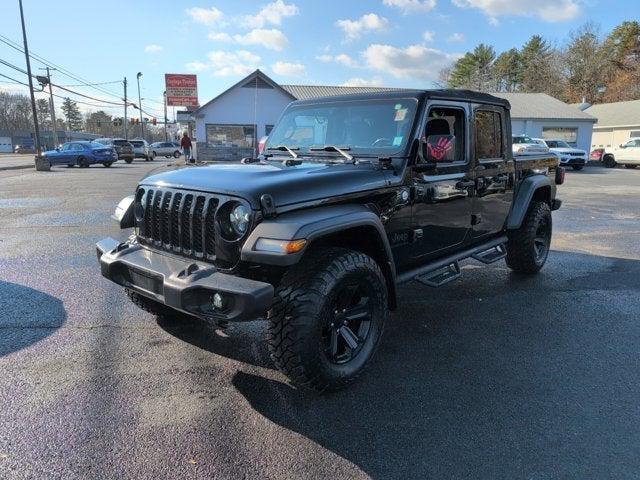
[(239, 219)]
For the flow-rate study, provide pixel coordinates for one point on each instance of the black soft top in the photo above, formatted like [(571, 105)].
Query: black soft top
[(442, 94)]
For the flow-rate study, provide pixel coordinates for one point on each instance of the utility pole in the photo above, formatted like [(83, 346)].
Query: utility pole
[(166, 136), (52, 107), (125, 109), (140, 106), (33, 97)]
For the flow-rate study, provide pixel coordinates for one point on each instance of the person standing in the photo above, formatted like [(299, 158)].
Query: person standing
[(185, 144)]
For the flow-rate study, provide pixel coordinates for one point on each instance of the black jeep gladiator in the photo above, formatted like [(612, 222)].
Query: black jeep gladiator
[(351, 197)]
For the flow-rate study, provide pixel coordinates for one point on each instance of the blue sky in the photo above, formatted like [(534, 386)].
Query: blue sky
[(378, 42)]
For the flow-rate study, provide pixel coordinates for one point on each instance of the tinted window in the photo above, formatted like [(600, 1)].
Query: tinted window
[(522, 139), (445, 129), (488, 134), (136, 143), (121, 143)]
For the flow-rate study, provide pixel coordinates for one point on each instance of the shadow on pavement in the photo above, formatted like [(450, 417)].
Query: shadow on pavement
[(233, 342), (517, 378), (27, 316)]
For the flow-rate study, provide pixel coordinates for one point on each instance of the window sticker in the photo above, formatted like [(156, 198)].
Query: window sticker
[(397, 141), (398, 106), (400, 114)]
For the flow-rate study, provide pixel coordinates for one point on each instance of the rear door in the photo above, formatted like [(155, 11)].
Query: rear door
[(441, 214), (493, 171)]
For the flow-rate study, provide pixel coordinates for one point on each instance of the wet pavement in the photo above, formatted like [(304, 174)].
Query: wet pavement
[(492, 376)]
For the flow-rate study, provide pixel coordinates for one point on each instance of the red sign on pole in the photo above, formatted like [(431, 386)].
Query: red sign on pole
[(182, 90)]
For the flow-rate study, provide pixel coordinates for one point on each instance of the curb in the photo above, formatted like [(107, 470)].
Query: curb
[(16, 167)]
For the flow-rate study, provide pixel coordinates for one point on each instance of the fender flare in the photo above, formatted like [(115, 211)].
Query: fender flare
[(312, 224), (523, 198)]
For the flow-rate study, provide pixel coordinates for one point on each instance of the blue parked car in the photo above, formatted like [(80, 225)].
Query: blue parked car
[(81, 154)]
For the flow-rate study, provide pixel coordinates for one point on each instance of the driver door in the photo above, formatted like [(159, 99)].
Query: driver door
[(441, 214)]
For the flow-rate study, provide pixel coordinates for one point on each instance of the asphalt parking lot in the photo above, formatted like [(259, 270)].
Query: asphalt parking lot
[(492, 376)]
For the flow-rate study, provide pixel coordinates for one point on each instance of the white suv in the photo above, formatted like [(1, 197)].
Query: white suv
[(573, 157), (627, 154), (525, 145)]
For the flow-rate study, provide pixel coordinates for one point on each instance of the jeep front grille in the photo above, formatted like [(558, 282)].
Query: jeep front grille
[(178, 221)]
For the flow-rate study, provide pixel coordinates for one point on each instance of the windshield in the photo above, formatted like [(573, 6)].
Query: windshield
[(373, 126), (557, 144), (522, 139)]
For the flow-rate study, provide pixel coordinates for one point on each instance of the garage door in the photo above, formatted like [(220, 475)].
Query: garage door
[(5, 145)]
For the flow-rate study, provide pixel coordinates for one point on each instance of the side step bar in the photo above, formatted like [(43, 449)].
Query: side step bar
[(447, 269)]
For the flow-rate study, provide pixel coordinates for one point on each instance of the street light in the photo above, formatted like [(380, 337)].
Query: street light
[(140, 106)]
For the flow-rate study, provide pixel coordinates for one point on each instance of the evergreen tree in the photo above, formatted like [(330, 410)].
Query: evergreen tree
[(72, 114), (507, 71)]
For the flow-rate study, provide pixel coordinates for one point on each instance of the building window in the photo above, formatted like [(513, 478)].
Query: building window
[(242, 136), (488, 128), (268, 128), (568, 134), (634, 134)]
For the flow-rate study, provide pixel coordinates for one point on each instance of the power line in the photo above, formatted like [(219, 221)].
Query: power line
[(93, 84), (14, 80)]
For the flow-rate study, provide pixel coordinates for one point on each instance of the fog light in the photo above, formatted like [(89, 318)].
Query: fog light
[(217, 301)]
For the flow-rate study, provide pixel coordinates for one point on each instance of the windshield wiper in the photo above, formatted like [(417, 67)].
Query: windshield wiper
[(333, 148), (284, 148)]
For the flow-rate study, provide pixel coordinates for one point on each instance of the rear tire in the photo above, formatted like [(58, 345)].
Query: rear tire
[(628, 165), (107, 164), (577, 167), (609, 161), (128, 160), (327, 318), (528, 246)]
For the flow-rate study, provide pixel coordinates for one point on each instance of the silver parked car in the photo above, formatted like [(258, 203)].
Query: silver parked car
[(141, 149), (166, 149), (525, 145)]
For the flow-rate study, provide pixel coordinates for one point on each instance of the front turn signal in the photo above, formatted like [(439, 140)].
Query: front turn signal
[(285, 247)]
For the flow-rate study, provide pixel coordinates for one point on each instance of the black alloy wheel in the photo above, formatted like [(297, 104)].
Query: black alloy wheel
[(542, 240), (350, 323)]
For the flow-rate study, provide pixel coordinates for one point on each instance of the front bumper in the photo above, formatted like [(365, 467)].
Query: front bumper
[(183, 284), (573, 161)]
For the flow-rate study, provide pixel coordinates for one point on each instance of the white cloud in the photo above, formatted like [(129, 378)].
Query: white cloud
[(363, 82), (219, 37), (205, 16), (196, 66), (224, 63), (414, 61), (428, 36), (366, 23), (288, 69), (342, 59), (455, 37), (273, 13), (272, 39), (153, 48), (548, 10), (411, 5)]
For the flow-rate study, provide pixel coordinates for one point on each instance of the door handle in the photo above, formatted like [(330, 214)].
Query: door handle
[(462, 184)]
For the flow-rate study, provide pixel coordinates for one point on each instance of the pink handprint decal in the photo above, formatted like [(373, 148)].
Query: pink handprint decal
[(440, 150)]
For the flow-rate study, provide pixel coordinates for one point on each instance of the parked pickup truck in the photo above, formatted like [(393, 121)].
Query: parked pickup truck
[(352, 197)]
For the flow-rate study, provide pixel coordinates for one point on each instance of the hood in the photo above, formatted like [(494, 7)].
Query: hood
[(287, 185), (568, 150)]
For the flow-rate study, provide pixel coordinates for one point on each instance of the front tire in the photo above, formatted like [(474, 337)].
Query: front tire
[(627, 165), (327, 318), (528, 246), (107, 164), (83, 162), (176, 154), (128, 160), (609, 161)]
